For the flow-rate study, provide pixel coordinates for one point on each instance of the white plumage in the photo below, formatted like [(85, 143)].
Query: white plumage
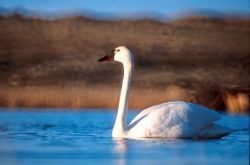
[(168, 120), (176, 120)]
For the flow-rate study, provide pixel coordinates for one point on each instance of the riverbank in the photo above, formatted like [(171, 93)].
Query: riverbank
[(53, 63)]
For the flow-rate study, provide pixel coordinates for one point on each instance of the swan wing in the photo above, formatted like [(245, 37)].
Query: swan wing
[(172, 119), (144, 113)]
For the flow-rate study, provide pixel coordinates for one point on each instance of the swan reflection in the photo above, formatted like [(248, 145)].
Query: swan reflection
[(120, 145), (120, 148)]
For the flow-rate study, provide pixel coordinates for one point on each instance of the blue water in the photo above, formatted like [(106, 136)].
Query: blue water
[(84, 137)]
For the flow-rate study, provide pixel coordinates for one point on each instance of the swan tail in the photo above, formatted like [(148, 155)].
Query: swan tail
[(214, 131)]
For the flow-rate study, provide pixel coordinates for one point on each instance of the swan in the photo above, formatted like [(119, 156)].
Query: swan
[(176, 119)]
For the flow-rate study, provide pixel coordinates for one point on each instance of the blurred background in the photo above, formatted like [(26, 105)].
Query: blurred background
[(191, 50)]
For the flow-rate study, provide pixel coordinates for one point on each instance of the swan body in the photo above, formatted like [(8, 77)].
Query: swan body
[(167, 120), (176, 120)]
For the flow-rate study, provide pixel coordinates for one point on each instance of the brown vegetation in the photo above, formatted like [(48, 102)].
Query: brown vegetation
[(93, 96), (53, 63)]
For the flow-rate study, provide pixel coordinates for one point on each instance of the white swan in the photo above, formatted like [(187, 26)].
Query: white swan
[(167, 120)]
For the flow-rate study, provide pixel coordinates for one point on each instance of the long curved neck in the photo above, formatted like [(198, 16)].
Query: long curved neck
[(120, 126)]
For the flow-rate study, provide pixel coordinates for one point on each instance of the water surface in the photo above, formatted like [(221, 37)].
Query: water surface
[(84, 137)]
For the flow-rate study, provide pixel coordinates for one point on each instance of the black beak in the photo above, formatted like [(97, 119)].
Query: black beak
[(107, 58)]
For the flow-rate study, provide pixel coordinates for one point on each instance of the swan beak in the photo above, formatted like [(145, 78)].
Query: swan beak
[(106, 58)]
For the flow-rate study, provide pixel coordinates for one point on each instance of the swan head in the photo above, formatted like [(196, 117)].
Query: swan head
[(119, 54)]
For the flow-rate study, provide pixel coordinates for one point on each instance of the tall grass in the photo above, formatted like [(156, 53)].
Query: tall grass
[(237, 102), (108, 97), (78, 97), (49, 96)]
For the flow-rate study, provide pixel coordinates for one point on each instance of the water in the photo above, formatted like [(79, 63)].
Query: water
[(84, 137)]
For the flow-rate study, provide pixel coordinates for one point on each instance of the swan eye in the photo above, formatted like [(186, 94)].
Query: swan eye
[(114, 51)]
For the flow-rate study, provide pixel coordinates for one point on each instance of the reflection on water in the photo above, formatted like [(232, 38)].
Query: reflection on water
[(120, 145), (84, 137)]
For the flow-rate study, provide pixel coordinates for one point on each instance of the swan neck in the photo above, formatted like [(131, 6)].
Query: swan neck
[(120, 123)]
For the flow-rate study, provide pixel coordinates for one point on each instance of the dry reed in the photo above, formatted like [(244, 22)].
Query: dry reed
[(108, 97), (78, 97)]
